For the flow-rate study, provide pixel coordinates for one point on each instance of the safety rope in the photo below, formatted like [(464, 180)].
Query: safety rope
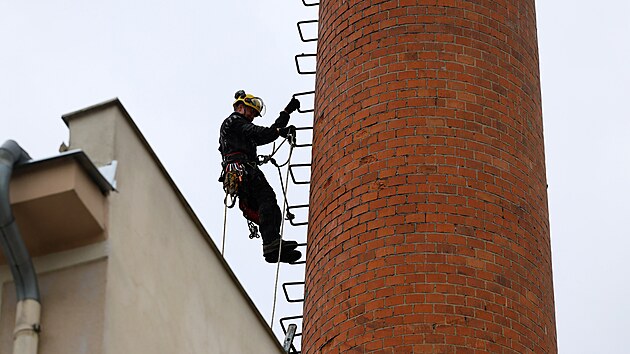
[(263, 159), (284, 210), (224, 225)]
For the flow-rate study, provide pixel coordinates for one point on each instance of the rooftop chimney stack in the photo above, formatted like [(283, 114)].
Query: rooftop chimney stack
[(429, 228)]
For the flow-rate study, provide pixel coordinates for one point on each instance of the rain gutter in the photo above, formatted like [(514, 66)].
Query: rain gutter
[(27, 319)]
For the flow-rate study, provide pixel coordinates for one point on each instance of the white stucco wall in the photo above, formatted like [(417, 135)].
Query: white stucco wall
[(167, 291)]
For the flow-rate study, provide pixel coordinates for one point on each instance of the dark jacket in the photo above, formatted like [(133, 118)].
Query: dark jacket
[(239, 137)]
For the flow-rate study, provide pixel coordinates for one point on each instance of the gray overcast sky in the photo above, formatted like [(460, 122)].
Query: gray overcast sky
[(176, 64)]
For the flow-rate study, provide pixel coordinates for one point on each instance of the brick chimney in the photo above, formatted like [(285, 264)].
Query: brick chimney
[(429, 228)]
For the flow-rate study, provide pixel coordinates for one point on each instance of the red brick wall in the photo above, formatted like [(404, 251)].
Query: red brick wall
[(429, 226)]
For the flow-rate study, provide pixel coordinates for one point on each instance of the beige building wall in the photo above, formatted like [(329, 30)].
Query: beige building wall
[(73, 318), (157, 284)]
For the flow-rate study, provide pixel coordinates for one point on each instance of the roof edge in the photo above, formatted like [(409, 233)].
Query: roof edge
[(82, 159), (94, 108)]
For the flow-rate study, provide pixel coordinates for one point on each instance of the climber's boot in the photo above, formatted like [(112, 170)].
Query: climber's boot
[(289, 253)]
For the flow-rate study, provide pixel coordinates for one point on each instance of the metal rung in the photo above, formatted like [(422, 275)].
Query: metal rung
[(286, 294), (310, 4), (303, 145), (293, 176), (304, 94), (297, 207), (300, 31), (283, 319), (297, 63)]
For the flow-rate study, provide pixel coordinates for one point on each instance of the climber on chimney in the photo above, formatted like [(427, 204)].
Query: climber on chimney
[(241, 176)]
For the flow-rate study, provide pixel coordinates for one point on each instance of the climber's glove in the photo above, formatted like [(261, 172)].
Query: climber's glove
[(292, 106)]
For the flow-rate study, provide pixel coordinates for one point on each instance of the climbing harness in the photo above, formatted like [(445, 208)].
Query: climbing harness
[(232, 177)]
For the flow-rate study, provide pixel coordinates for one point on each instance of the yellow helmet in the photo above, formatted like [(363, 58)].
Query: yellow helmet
[(250, 101)]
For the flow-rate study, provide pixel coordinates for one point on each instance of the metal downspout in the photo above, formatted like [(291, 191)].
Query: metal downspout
[(27, 319)]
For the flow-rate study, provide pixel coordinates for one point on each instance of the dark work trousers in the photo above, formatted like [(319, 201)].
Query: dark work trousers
[(258, 195)]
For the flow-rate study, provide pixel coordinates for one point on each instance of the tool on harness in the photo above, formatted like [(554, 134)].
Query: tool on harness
[(232, 178), (253, 230)]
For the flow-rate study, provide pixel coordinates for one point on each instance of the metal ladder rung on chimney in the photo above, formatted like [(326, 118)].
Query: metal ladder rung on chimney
[(291, 330), (310, 4)]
